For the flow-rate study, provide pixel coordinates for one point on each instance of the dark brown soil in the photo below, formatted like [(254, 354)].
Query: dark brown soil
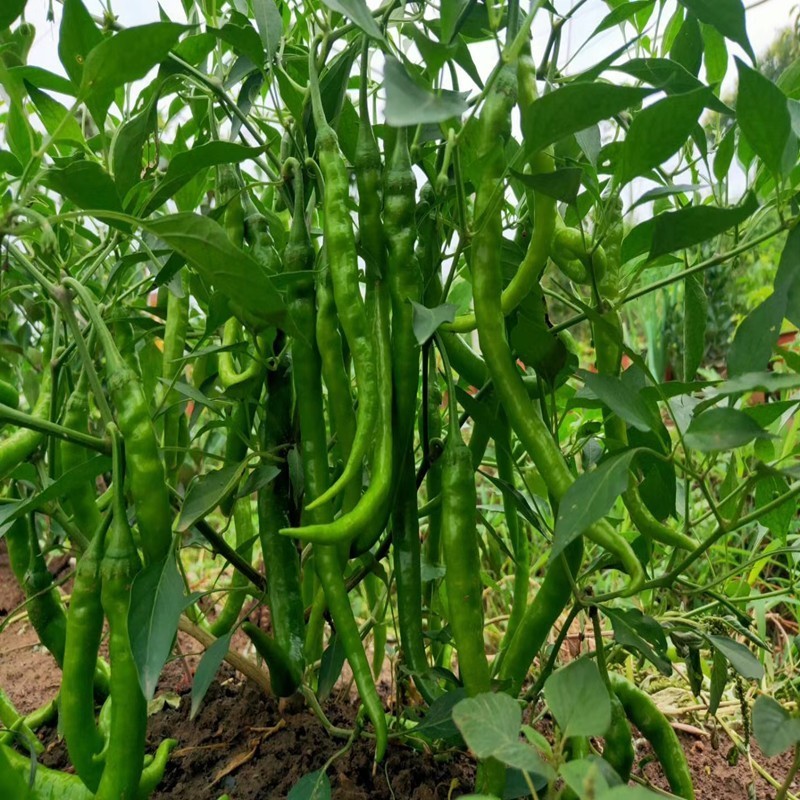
[(249, 746)]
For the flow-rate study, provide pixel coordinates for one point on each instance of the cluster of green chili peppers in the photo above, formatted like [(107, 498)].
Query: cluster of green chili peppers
[(337, 384)]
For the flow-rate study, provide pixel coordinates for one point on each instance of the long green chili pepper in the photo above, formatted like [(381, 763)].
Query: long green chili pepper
[(23, 443), (147, 478), (543, 210), (516, 530), (175, 329), (308, 398), (124, 756), (364, 523), (462, 579), (654, 726), (45, 608), (618, 743), (9, 396), (281, 559), (12, 720), (487, 284), (245, 540), (84, 632), (82, 499), (540, 616), (377, 604), (343, 261)]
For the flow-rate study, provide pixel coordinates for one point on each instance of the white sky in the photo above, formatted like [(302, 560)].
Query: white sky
[(762, 22)]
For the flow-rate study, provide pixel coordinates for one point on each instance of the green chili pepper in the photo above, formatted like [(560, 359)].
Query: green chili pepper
[(463, 576), (245, 540), (147, 478), (84, 632), (281, 559), (82, 499), (654, 726), (14, 721), (175, 329), (364, 523), (542, 209), (343, 260), (487, 282), (9, 396), (21, 444), (618, 743), (570, 254), (124, 755), (540, 616), (308, 398)]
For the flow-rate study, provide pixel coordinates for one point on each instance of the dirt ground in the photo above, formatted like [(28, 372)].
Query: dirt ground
[(247, 745)]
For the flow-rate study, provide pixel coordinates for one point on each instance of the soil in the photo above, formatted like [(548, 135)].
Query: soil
[(254, 748)]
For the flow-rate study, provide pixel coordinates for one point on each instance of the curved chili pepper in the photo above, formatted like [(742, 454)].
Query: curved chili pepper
[(343, 260), (84, 632), (147, 478), (618, 743), (308, 398), (124, 755), (487, 284), (654, 726), (82, 499), (21, 444)]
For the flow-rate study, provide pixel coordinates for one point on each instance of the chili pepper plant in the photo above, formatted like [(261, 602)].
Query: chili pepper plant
[(323, 302)]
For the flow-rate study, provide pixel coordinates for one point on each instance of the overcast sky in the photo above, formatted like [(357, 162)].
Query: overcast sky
[(767, 17)]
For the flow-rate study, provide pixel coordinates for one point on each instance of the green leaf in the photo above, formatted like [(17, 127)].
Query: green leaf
[(715, 55), (687, 49), (588, 776), (453, 13), (590, 498), (756, 336), (727, 16), (563, 184), (86, 471), (410, 104), (574, 108), (207, 669), (774, 729), (722, 429), (157, 600), (330, 667), (128, 147), (43, 79), (659, 131), (490, 724), (724, 155), (77, 36), (357, 11), (618, 395), (206, 492), (667, 191), (10, 10), (676, 230), (695, 320), (205, 245), (426, 321), (739, 656), (763, 116), (778, 520), (635, 630), (719, 679), (578, 698), (314, 786), (55, 117), (622, 13), (438, 721), (765, 381), (127, 56), (244, 39), (185, 165), (270, 26), (629, 793), (87, 185)]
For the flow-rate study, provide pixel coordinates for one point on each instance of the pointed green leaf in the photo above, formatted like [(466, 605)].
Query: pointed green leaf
[(410, 104), (774, 729), (314, 786), (157, 600), (722, 429), (695, 320), (270, 26), (10, 10), (426, 321), (357, 11), (207, 670), (77, 36), (578, 698), (763, 116), (574, 108), (727, 16), (206, 492), (590, 498), (659, 131)]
